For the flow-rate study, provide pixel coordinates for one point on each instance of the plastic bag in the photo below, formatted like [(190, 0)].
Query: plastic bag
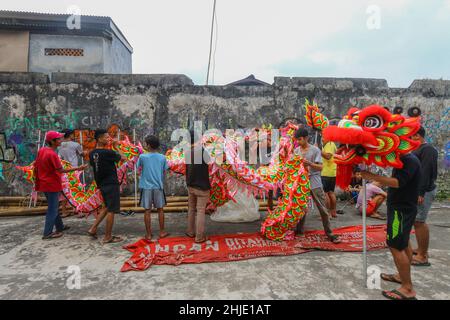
[(245, 209)]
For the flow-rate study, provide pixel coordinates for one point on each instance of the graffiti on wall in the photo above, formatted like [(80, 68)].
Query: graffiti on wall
[(437, 125), (29, 126), (447, 155), (7, 153), (23, 134), (7, 157)]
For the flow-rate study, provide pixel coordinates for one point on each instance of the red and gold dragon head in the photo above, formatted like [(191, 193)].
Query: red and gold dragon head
[(373, 135)]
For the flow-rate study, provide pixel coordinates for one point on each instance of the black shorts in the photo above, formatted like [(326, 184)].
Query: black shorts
[(399, 226), (111, 196), (329, 184)]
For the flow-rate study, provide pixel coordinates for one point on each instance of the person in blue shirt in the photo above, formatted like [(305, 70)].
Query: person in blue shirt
[(153, 166)]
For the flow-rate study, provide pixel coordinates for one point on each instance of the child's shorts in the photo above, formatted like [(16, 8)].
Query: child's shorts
[(152, 199), (370, 209)]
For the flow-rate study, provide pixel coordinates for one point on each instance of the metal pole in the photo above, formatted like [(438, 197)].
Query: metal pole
[(82, 157), (39, 148), (32, 190), (364, 216), (135, 174)]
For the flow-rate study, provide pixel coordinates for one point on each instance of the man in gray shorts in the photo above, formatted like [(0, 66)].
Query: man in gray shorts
[(428, 157), (313, 163)]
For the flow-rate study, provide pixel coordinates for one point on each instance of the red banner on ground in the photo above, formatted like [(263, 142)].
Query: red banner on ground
[(220, 248), (351, 237)]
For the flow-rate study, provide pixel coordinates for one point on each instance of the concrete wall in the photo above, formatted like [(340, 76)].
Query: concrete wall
[(162, 103), (117, 57), (100, 55), (14, 51), (92, 61)]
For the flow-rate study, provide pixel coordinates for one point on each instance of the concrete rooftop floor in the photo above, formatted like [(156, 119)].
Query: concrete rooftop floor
[(33, 269)]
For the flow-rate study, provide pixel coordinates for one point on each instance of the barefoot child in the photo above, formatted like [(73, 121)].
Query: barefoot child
[(151, 183)]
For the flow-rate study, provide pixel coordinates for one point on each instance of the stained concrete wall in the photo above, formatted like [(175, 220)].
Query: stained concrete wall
[(92, 61), (162, 103), (117, 57), (101, 55)]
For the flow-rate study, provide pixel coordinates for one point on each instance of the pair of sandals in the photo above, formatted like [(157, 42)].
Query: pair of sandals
[(191, 235), (114, 239), (161, 236), (394, 294), (56, 235), (128, 213)]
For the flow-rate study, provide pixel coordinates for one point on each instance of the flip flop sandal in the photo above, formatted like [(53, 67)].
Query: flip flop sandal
[(93, 235), (190, 235), (389, 278), (128, 213), (202, 240), (334, 239), (114, 239), (397, 293), (420, 264), (378, 217), (53, 236), (164, 236)]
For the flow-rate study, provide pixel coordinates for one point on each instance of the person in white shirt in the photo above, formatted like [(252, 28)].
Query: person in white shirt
[(69, 151)]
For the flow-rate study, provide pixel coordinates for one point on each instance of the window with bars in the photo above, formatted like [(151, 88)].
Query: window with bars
[(66, 52)]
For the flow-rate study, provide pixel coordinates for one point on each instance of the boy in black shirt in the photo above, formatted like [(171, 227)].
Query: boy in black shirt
[(103, 162), (401, 214), (355, 185)]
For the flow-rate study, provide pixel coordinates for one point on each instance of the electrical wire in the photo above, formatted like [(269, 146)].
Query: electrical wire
[(211, 41), (215, 48)]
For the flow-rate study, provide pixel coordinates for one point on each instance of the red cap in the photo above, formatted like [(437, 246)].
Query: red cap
[(52, 135)]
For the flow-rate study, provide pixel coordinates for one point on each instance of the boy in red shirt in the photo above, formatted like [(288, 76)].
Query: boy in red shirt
[(48, 170)]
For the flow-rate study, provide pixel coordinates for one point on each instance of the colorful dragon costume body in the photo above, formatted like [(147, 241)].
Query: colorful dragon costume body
[(285, 171), (88, 199), (314, 118), (372, 135)]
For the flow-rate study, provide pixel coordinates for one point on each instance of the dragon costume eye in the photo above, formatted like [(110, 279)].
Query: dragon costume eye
[(373, 122)]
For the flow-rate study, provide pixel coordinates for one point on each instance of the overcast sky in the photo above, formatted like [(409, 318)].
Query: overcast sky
[(267, 38)]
